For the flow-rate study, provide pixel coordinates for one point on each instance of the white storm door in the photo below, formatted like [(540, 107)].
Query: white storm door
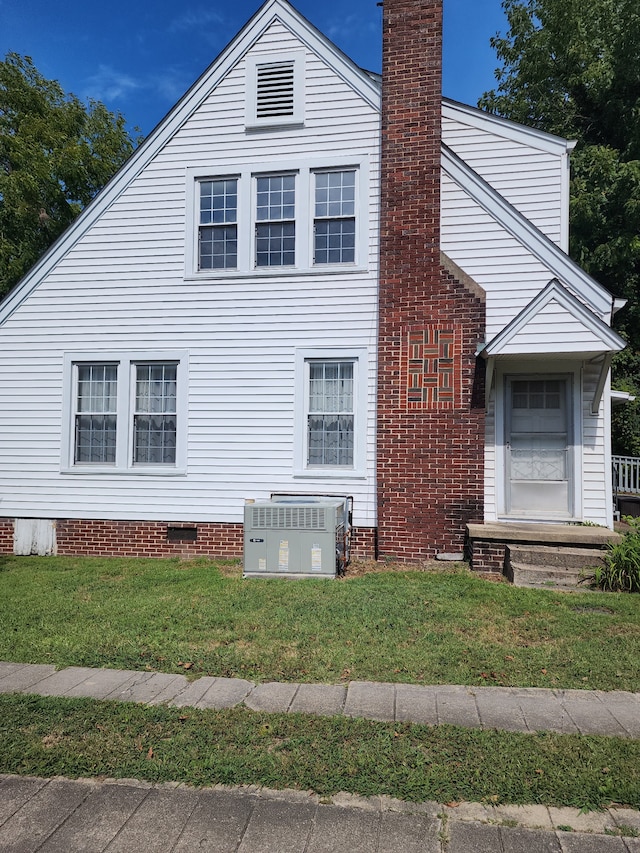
[(538, 442)]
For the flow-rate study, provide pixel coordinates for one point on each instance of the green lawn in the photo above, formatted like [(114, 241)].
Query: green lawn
[(49, 737), (423, 627)]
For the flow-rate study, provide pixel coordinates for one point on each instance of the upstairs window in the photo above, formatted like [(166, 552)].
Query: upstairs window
[(276, 221), (279, 217), (334, 224), (218, 231), (275, 90)]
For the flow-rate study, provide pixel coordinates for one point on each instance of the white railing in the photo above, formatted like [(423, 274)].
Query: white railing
[(626, 474)]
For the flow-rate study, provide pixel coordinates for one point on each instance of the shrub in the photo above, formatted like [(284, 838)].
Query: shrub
[(620, 571)]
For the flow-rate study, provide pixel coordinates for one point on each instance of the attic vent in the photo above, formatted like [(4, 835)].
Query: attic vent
[(274, 90), (300, 518)]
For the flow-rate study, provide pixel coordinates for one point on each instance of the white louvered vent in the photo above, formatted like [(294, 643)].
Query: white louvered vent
[(292, 517), (275, 90)]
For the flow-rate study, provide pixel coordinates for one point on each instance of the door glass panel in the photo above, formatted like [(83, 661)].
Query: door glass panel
[(537, 447)]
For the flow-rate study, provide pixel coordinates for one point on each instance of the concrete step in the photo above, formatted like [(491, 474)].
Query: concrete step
[(554, 556), (530, 575)]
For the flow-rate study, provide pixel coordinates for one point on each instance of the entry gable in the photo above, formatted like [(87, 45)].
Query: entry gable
[(554, 322)]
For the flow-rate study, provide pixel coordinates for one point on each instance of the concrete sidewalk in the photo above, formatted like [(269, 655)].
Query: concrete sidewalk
[(118, 816), (509, 708), (121, 816)]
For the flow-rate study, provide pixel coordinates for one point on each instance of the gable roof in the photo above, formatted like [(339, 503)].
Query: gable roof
[(366, 85), (489, 122), (525, 232), (532, 331)]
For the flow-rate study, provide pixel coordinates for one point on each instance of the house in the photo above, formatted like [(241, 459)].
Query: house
[(310, 280)]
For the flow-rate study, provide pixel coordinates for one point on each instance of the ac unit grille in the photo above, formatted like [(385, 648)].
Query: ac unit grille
[(275, 90), (290, 517)]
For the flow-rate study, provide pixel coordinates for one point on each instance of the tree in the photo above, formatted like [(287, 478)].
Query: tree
[(56, 153), (572, 67)]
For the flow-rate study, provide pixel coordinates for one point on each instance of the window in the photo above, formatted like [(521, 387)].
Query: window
[(154, 421), (334, 224), (330, 415), (331, 412), (275, 221), (127, 413), (95, 414), (218, 230)]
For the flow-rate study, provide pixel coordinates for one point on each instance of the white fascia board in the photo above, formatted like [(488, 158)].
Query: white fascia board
[(521, 229), (272, 10), (482, 120), (611, 342)]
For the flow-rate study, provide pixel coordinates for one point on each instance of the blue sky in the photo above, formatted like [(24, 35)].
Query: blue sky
[(139, 56)]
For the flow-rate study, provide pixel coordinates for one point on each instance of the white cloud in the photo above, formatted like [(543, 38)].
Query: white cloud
[(111, 85)]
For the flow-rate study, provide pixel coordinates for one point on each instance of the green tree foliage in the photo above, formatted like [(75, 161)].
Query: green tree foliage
[(572, 67), (56, 153)]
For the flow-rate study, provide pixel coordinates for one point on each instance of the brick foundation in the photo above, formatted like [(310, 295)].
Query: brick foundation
[(6, 536), (97, 538), (430, 403), (485, 556)]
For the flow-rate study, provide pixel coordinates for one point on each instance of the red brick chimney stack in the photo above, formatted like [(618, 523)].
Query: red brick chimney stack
[(429, 464)]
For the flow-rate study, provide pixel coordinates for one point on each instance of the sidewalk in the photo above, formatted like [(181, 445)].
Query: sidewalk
[(119, 816), (509, 708), (125, 816)]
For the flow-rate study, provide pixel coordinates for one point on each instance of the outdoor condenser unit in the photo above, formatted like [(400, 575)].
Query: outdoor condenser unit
[(297, 536)]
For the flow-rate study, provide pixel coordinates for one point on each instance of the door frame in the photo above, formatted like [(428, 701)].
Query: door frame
[(539, 370)]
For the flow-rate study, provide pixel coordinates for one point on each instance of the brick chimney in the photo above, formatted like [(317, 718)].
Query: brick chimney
[(430, 423)]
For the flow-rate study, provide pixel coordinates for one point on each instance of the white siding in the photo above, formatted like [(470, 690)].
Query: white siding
[(528, 175), (508, 273), (122, 287)]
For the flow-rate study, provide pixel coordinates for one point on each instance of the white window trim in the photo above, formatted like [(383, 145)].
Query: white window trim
[(305, 205), (126, 363), (252, 122), (360, 358)]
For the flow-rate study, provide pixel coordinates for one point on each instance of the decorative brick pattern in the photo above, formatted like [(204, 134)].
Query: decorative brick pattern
[(433, 367), (97, 538), (430, 451)]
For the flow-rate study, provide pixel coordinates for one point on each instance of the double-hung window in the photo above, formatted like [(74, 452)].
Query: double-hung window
[(127, 413), (154, 419), (334, 224), (275, 221), (95, 416), (331, 412), (278, 218), (218, 228)]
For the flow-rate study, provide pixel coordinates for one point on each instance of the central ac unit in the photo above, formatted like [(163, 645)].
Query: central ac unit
[(297, 536)]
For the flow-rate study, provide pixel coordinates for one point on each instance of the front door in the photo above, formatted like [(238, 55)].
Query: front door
[(538, 458)]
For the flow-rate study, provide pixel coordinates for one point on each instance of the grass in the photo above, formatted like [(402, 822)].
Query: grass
[(77, 737), (422, 627)]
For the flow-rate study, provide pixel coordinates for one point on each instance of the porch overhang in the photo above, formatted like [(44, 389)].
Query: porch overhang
[(555, 325)]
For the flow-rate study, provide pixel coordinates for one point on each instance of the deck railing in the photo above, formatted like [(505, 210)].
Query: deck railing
[(626, 474)]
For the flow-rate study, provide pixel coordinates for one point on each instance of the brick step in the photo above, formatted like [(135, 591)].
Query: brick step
[(530, 575), (554, 556)]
